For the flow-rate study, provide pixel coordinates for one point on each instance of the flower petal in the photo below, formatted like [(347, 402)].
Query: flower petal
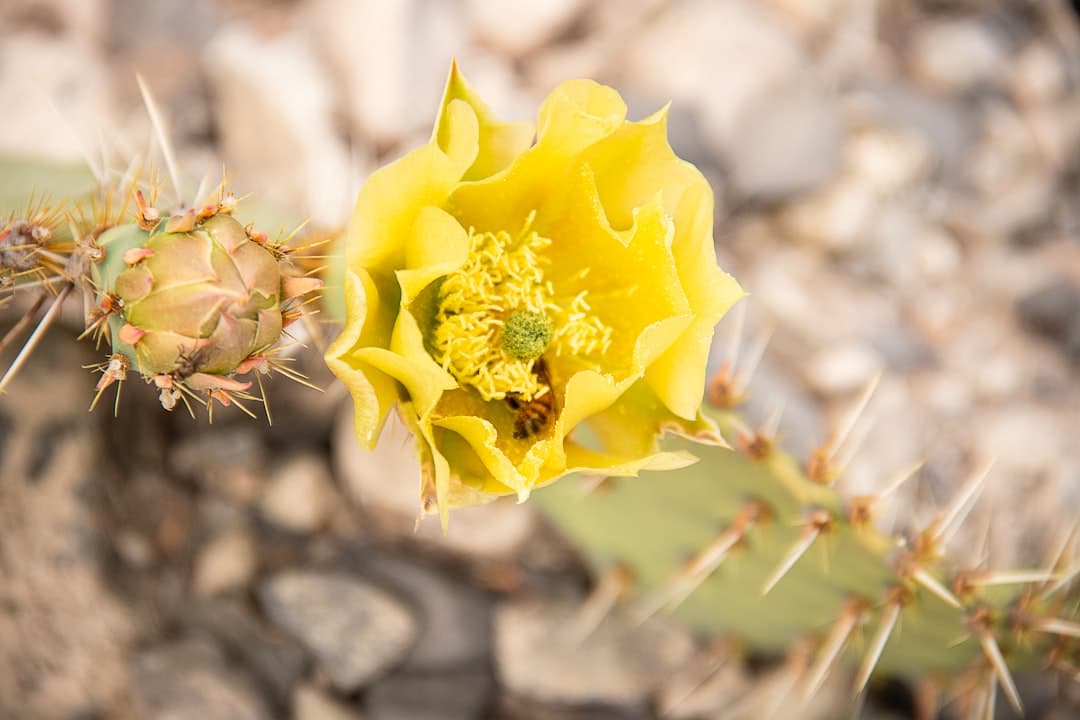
[(369, 323), (498, 143), (678, 376), (387, 206), (631, 426), (575, 115)]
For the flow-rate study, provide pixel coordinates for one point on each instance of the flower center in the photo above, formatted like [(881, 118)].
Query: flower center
[(498, 314)]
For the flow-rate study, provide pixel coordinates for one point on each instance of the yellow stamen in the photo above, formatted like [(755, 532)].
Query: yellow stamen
[(504, 275)]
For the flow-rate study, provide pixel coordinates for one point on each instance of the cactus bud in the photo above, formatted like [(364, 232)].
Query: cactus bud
[(196, 301)]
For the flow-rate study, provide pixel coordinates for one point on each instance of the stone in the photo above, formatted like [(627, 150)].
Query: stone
[(292, 156), (462, 695), (777, 126), (836, 217), (386, 482), (63, 94), (888, 159), (1053, 311), (277, 659), (1037, 74), (957, 55), (355, 630), (537, 657), (518, 27), (227, 563), (390, 61), (788, 141), (190, 680), (311, 703), (299, 494), (223, 460), (454, 619)]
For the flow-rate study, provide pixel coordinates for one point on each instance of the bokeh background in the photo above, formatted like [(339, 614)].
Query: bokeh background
[(896, 184)]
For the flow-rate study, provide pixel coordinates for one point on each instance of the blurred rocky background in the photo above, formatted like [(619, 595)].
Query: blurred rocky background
[(897, 186)]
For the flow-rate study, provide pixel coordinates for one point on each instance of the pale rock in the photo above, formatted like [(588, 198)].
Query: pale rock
[(299, 494), (957, 55), (938, 254), (311, 703), (948, 394), (778, 124), (518, 27), (888, 159), (842, 369), (788, 140), (274, 111), (999, 377), (226, 563), (63, 98), (812, 16), (355, 630), (1037, 74), (391, 61), (386, 482), (835, 218), (538, 656)]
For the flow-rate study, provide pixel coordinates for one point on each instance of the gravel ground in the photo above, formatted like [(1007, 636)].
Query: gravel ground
[(896, 184)]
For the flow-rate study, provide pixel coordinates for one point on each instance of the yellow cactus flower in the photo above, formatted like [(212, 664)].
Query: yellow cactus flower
[(532, 308)]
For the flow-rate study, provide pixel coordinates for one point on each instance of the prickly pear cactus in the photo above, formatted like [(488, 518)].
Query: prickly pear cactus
[(749, 544), (194, 301)]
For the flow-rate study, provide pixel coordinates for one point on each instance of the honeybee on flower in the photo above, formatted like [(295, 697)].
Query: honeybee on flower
[(532, 308)]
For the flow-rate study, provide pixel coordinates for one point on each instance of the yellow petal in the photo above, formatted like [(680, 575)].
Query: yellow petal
[(631, 426), (678, 376), (436, 245), (575, 115), (589, 462), (482, 438), (369, 323), (630, 278), (390, 200), (498, 142), (635, 164)]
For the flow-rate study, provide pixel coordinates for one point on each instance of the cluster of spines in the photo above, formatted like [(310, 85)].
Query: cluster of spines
[(1027, 617)]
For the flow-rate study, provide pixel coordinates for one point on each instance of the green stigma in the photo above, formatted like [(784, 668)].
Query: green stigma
[(526, 335)]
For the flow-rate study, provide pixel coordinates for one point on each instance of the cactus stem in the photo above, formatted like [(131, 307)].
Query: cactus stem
[(613, 586), (835, 643), (816, 523), (594, 483), (704, 564), (886, 625)]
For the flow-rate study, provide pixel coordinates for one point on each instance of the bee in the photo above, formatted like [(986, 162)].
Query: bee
[(531, 417)]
